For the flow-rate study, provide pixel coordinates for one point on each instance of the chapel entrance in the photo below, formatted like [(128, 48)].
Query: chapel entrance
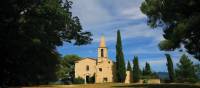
[(105, 79), (87, 79)]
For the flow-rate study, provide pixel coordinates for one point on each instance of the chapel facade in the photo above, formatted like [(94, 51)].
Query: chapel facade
[(102, 68)]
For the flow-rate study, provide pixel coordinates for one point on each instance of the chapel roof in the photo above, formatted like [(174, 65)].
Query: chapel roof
[(86, 58)]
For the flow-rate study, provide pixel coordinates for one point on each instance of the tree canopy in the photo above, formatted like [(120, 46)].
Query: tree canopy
[(66, 68), (179, 20), (30, 32), (186, 71)]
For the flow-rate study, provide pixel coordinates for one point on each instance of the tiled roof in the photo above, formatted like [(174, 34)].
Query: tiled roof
[(86, 58)]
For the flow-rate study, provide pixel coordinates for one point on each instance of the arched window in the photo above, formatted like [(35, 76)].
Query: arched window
[(87, 68), (102, 53)]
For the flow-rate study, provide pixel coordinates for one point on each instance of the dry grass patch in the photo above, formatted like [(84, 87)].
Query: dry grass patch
[(119, 85)]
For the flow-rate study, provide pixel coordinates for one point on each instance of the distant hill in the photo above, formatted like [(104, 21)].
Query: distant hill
[(163, 75)]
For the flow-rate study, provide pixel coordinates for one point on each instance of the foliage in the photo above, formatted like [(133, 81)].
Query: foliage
[(145, 81), (170, 68), (92, 79), (197, 70), (79, 80), (129, 68), (151, 76), (155, 75), (179, 20), (136, 69), (69, 60), (66, 68), (147, 70), (120, 63), (185, 71), (30, 32)]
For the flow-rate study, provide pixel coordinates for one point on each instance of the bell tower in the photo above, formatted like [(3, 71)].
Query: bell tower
[(102, 50)]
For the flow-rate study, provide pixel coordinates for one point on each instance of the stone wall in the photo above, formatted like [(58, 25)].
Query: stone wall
[(148, 81), (153, 81), (128, 77), (106, 74), (81, 68)]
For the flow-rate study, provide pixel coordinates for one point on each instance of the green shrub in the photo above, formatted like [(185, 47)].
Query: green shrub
[(79, 80), (188, 80), (149, 77), (145, 81), (192, 80), (166, 81), (92, 79)]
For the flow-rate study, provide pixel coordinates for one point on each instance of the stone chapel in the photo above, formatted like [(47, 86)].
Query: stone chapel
[(102, 68)]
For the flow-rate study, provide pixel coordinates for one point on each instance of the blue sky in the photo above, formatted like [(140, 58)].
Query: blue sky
[(105, 17)]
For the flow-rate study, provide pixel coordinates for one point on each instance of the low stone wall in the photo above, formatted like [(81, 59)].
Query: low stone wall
[(149, 81), (128, 77), (153, 81)]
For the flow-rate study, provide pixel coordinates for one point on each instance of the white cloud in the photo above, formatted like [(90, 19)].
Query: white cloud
[(127, 9), (132, 13), (140, 30), (130, 31), (95, 17), (158, 62), (90, 12)]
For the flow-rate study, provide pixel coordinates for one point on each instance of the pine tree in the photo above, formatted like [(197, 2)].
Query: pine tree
[(136, 69), (129, 68), (170, 68), (186, 70), (31, 31), (147, 70), (179, 20), (120, 63)]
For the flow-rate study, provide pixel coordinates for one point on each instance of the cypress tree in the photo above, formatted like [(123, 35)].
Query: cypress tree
[(147, 70), (120, 63), (129, 66), (136, 70), (170, 68)]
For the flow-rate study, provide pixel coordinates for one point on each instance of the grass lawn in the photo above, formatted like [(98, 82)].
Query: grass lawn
[(164, 85), (120, 85)]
